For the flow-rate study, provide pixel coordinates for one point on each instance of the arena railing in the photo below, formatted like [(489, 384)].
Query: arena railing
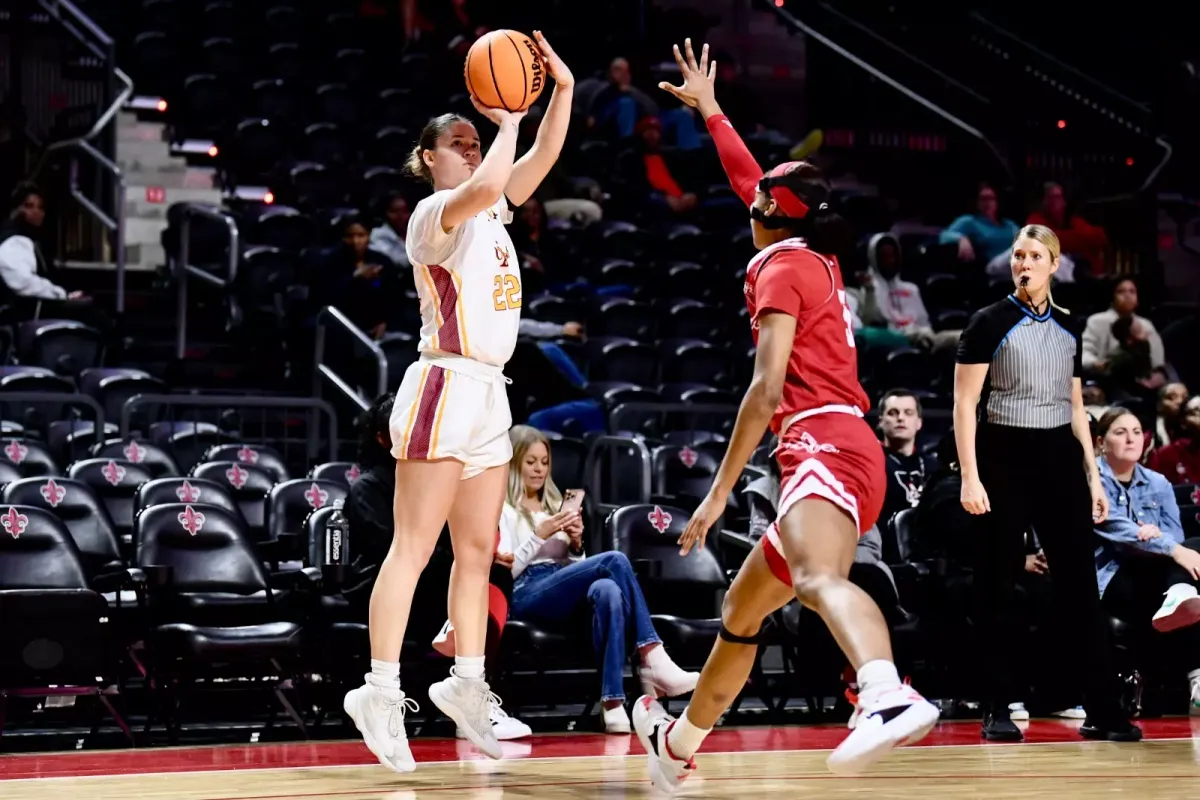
[(233, 418), (63, 404), (331, 316), (183, 269), (104, 200)]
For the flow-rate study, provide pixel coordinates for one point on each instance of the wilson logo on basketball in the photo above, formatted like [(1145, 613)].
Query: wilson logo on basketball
[(52, 493), (536, 67)]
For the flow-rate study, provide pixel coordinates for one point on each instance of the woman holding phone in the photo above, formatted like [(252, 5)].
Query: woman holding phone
[(553, 578)]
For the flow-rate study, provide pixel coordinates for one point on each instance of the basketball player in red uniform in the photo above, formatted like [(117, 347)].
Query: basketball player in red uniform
[(805, 388)]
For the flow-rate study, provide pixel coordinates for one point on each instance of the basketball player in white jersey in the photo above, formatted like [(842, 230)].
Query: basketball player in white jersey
[(450, 420)]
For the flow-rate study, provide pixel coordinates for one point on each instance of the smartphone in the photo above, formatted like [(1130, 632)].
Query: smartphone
[(572, 500)]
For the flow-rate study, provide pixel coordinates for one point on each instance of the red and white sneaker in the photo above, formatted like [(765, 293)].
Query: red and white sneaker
[(884, 721), (652, 723)]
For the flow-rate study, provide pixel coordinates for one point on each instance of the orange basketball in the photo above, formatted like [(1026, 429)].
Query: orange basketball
[(505, 69)]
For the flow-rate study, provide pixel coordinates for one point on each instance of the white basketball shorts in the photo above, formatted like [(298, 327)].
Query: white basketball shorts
[(452, 408)]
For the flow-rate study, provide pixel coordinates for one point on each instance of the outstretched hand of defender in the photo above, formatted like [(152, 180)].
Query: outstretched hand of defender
[(698, 77), (705, 516), (554, 65)]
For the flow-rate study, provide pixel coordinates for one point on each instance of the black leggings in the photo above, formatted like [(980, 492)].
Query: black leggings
[(1135, 592), (1035, 479)]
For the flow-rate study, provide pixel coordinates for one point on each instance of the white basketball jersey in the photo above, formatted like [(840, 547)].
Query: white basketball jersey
[(468, 280)]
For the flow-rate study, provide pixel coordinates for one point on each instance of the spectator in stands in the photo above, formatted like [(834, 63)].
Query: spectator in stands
[(1129, 364), (1078, 236), (356, 279), (983, 235), (1179, 461), (554, 578), (388, 238), (22, 266), (943, 528), (1169, 424), (889, 305), (1095, 399), (1143, 552), (615, 109), (900, 420), (369, 513), (1098, 340), (655, 173)]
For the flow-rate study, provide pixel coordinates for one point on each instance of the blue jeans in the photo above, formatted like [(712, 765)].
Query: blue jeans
[(552, 593)]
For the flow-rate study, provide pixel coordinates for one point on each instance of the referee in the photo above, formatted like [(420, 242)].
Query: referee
[(1026, 457)]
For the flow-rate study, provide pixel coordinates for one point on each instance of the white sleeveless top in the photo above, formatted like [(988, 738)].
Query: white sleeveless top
[(468, 280)]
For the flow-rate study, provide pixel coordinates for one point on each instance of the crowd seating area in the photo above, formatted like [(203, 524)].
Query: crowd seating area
[(160, 544)]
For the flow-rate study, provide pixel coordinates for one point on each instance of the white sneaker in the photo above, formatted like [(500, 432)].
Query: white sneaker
[(1071, 713), (652, 722), (1194, 708), (660, 676), (1017, 712), (887, 719), (505, 727), (616, 720), (380, 720), (468, 703), (1180, 608)]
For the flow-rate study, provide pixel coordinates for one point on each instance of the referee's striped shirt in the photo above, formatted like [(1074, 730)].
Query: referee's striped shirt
[(1032, 359)]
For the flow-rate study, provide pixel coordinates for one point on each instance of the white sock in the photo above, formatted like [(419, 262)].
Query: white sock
[(469, 668), (385, 675), (876, 675), (684, 738)]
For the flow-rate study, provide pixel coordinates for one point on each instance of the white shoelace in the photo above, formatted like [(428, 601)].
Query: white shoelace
[(397, 710), (496, 703), (480, 699)]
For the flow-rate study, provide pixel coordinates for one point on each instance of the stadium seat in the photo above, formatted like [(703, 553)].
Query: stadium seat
[(112, 387), (250, 485), (693, 362), (282, 227), (624, 361), (115, 483), (289, 504), (692, 319), (55, 639), (154, 459), (341, 472), (623, 317), (65, 346), (217, 613), (327, 143), (161, 491), (187, 442), (72, 439), (29, 457), (681, 474), (84, 515), (258, 455), (567, 457)]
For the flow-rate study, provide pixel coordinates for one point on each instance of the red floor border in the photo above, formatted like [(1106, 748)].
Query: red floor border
[(351, 753)]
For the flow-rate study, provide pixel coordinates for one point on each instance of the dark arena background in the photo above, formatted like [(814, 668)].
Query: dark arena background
[(205, 290)]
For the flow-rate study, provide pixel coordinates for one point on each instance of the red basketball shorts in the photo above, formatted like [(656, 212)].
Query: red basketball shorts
[(833, 456)]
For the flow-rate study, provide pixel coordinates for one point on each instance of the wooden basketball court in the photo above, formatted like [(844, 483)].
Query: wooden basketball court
[(734, 764)]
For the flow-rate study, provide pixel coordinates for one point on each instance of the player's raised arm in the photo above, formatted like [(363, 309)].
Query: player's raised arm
[(776, 339), (487, 183), (698, 91), (531, 169)]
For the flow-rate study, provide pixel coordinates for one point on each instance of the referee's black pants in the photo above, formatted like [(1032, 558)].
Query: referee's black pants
[(1035, 480)]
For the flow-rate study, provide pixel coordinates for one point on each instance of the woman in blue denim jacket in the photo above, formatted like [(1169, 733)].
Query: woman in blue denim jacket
[(1142, 554)]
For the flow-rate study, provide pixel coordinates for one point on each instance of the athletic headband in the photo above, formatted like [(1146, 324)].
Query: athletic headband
[(787, 188)]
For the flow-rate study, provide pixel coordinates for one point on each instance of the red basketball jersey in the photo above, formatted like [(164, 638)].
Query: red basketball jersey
[(822, 371)]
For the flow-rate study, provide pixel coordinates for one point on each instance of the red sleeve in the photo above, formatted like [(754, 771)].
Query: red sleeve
[(790, 283), (743, 171)]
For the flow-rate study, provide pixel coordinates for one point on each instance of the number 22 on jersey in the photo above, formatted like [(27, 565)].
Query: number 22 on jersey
[(506, 292)]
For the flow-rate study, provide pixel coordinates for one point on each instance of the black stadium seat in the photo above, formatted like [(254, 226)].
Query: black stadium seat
[(261, 456), (343, 472), (80, 510), (289, 505), (154, 459), (29, 457), (115, 483), (249, 486)]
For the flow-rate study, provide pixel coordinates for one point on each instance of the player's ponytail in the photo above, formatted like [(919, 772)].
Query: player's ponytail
[(415, 163), (828, 233)]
